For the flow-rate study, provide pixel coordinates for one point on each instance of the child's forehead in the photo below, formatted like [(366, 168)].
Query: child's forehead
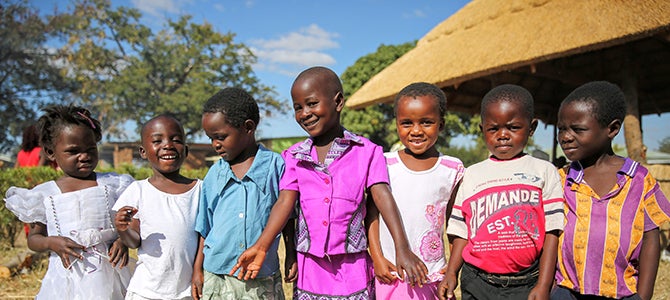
[(166, 124)]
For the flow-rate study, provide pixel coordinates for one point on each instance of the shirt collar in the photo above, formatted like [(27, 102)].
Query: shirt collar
[(303, 151), (576, 172), (257, 171)]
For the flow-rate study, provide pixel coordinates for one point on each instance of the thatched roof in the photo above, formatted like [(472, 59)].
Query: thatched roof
[(548, 46)]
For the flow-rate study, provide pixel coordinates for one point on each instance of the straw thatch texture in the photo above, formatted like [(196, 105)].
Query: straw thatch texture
[(495, 39)]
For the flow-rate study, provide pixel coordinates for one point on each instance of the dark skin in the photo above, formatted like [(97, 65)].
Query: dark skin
[(75, 149), (318, 101), (240, 165), (506, 131), (161, 137), (589, 142)]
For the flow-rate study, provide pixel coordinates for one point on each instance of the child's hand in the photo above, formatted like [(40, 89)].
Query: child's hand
[(249, 263), (118, 254), (385, 271), (124, 217), (411, 266), (447, 286), (538, 293), (291, 270), (65, 248), (197, 280)]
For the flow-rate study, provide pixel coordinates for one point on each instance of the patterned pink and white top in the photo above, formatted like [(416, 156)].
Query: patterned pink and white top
[(422, 198)]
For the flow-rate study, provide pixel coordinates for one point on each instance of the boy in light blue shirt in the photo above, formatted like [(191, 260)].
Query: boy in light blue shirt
[(237, 196)]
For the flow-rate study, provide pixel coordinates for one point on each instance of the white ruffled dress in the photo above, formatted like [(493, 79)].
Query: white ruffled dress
[(85, 216)]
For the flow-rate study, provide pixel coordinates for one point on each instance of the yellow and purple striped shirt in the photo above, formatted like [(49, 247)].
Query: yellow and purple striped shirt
[(600, 246)]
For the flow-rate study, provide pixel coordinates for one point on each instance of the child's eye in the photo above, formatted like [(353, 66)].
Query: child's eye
[(312, 104)]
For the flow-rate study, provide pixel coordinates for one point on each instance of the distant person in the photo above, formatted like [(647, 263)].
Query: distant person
[(157, 216), (237, 195), (508, 210), (30, 154), (610, 245), (331, 172), (419, 111), (71, 216)]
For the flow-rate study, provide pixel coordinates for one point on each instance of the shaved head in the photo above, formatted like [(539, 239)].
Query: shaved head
[(323, 77)]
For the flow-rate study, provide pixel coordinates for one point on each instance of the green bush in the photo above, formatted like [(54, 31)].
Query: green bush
[(30, 177)]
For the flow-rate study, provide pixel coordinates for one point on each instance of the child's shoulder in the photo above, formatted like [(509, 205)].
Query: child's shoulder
[(451, 162), (117, 182)]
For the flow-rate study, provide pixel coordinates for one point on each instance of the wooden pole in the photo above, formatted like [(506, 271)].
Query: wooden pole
[(631, 123)]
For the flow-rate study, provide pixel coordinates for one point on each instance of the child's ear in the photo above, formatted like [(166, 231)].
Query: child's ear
[(50, 154), (339, 101), (143, 152), (249, 126), (533, 126), (613, 128)]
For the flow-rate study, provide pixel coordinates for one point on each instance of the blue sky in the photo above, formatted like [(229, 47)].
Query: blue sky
[(289, 36)]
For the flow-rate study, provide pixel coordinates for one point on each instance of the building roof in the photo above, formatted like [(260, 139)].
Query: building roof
[(548, 46)]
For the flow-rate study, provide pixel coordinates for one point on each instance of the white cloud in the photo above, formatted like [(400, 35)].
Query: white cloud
[(157, 7), (219, 7), (305, 47), (415, 14)]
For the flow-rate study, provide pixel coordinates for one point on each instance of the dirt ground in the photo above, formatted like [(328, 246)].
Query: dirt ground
[(26, 285)]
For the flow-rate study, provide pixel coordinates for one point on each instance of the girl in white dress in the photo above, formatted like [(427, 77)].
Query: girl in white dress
[(71, 216)]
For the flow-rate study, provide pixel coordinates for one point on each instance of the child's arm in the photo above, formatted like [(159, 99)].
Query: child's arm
[(251, 260), (128, 227), (382, 266), (290, 256), (450, 281), (406, 261), (38, 240), (197, 278), (649, 255), (547, 267), (118, 254)]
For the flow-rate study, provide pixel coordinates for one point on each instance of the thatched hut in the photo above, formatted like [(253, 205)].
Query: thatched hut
[(548, 46)]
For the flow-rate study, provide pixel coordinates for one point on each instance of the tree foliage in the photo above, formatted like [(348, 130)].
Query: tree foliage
[(664, 145), (27, 75), (128, 72), (377, 122), (104, 58)]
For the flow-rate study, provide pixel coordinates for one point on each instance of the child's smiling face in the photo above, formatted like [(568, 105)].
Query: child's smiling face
[(418, 123), (163, 144), (315, 111)]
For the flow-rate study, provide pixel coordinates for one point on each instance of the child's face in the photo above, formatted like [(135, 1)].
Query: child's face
[(419, 123), (506, 129), (163, 145), (315, 111), (228, 141), (579, 133), (75, 150)]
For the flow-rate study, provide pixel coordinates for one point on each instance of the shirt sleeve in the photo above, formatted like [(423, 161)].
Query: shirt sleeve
[(289, 180), (130, 197), (656, 205), (378, 172), (204, 215), (552, 200), (456, 225)]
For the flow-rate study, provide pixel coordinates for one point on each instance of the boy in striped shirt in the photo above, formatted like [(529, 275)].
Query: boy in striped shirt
[(610, 244)]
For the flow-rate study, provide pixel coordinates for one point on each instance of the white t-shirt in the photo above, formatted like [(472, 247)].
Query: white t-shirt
[(169, 239), (422, 198), (503, 208)]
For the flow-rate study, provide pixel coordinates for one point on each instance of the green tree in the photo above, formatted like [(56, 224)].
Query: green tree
[(27, 72), (664, 145), (376, 122), (126, 72)]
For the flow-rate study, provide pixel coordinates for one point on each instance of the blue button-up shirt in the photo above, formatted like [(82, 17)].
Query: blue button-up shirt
[(234, 211)]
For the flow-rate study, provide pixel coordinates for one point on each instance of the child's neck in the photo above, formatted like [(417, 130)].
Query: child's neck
[(421, 162), (241, 164), (68, 183), (171, 183), (600, 172), (323, 141)]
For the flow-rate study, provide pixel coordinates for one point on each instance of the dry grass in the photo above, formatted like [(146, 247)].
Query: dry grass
[(26, 286)]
